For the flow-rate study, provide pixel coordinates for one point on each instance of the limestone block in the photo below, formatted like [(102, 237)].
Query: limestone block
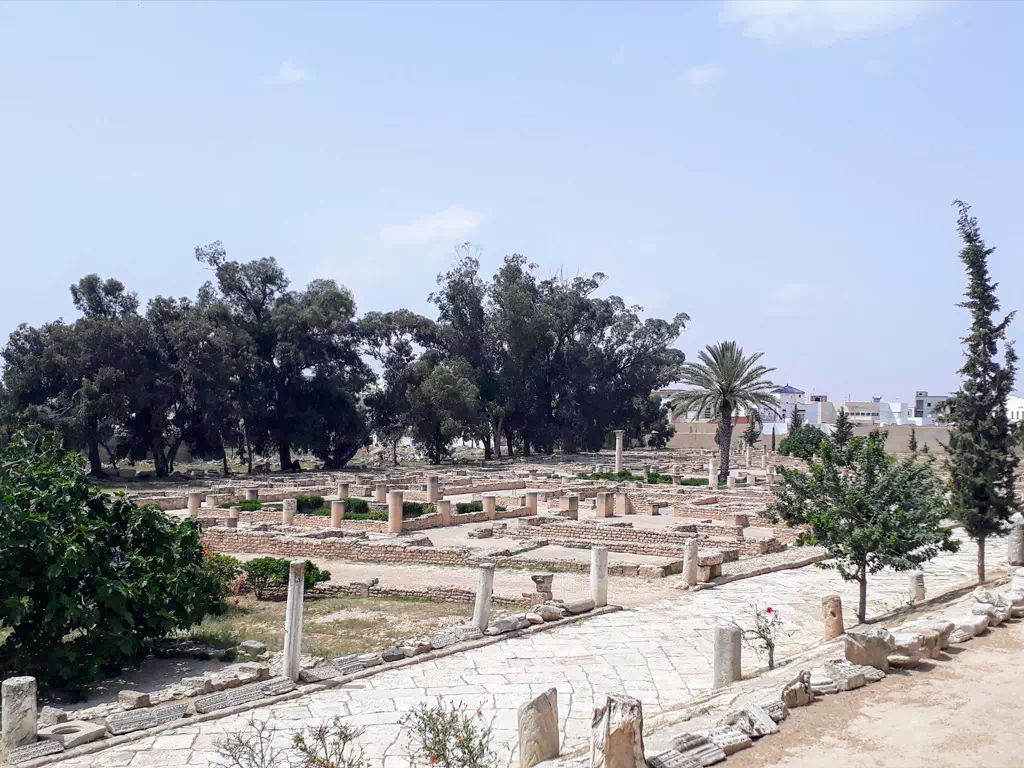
[(871, 648), (547, 612), (133, 700), (538, 729), (798, 693), (939, 625), (966, 626), (753, 721), (73, 733), (698, 748), (728, 738), (18, 711), (995, 616), (822, 684), (672, 759), (581, 605), (832, 616), (617, 733), (845, 675)]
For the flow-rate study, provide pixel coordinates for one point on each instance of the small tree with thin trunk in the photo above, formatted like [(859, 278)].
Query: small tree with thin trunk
[(867, 509), (912, 441), (980, 457)]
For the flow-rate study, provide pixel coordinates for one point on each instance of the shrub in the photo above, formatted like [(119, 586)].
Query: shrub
[(693, 481), (465, 507), (416, 508), (329, 746), (308, 504), (249, 505), (323, 746), (656, 478), (803, 441), (356, 507), (448, 736), (225, 569), (88, 580), (263, 572)]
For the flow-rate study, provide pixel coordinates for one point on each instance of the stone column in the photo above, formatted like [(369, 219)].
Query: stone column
[(832, 616), (395, 511), (484, 585), (617, 733), (728, 647), (730, 481), (252, 494), (337, 513), (19, 712), (288, 507), (618, 449), (916, 586), (490, 510), (380, 491), (599, 576), (293, 619), (194, 502), (691, 562), (444, 508), (342, 490), (764, 457), (531, 502), (605, 501), (1015, 544), (433, 488), (235, 513), (748, 457), (538, 729)]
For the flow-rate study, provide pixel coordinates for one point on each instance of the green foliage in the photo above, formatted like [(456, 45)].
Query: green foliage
[(329, 746), (448, 735), (773, 439), (867, 509), (264, 572), (416, 508), (803, 441), (308, 504), (224, 569), (980, 456), (249, 505), (753, 431), (656, 478), (88, 580), (843, 429), (912, 441), (354, 506), (465, 507)]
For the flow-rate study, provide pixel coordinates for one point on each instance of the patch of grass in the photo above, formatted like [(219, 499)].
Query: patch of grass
[(248, 505)]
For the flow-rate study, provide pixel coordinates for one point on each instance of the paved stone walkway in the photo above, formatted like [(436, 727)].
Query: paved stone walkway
[(661, 653)]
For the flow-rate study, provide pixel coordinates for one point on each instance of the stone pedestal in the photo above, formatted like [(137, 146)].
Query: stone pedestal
[(1015, 544), (252, 494), (531, 502), (380, 491), (231, 522), (728, 660), (619, 433), (605, 504), (832, 616), (288, 507), (916, 583), (599, 576), (691, 564), (538, 729), (395, 499), (343, 490), (433, 488), (617, 733), (484, 586), (730, 481), (293, 620), (570, 503), (490, 507), (195, 500), (18, 713), (337, 513), (235, 513), (622, 504), (444, 509)]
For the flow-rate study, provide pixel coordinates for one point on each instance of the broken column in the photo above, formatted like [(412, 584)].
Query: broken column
[(444, 509), (194, 502), (19, 712), (538, 729), (916, 580), (395, 511), (235, 513), (531, 502), (484, 585), (342, 490), (433, 488), (691, 563), (748, 456), (617, 733), (380, 491), (288, 507), (490, 506), (618, 449), (293, 619), (832, 616), (337, 513), (252, 494), (1015, 544), (599, 576), (712, 474), (727, 655)]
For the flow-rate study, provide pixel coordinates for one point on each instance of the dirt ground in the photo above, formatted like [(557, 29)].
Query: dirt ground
[(963, 709)]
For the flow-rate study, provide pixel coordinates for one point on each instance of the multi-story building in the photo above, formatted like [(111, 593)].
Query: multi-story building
[(924, 405), (1015, 408)]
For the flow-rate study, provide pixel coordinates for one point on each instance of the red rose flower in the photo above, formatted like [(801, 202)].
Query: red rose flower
[(769, 609)]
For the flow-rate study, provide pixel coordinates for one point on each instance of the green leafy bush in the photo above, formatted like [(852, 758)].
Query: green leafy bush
[(263, 572), (803, 441), (465, 507), (224, 568), (87, 580), (656, 478), (693, 481), (356, 507), (416, 508), (308, 504), (448, 735), (247, 505)]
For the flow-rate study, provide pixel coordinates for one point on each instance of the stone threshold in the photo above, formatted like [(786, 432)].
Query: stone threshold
[(116, 741)]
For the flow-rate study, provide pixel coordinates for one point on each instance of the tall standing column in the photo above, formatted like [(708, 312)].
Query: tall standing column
[(395, 511), (343, 491), (380, 491), (484, 585), (490, 507), (832, 617), (337, 513), (531, 502), (252, 494), (433, 488), (293, 619), (194, 501), (288, 507), (917, 586), (1015, 544), (599, 576), (748, 457), (618, 449), (764, 457), (19, 713), (728, 663), (691, 562)]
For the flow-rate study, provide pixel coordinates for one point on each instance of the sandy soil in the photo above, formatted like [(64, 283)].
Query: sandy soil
[(961, 710)]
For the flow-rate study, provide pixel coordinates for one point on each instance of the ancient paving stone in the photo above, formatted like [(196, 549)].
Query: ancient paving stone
[(227, 699), (20, 755)]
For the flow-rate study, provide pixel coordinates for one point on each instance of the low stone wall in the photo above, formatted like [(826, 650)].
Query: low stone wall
[(449, 593)]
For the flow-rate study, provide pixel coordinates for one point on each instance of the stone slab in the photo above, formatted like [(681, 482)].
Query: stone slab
[(120, 723), (671, 759), (276, 686), (227, 699), (73, 733), (20, 755)]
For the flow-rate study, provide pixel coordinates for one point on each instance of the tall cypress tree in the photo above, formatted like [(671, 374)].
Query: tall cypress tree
[(980, 457), (912, 441), (843, 429)]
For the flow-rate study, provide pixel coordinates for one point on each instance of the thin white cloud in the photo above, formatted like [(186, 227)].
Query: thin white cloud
[(702, 75), (821, 22), (621, 57), (453, 224), (286, 74)]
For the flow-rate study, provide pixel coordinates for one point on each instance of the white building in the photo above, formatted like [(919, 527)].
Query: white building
[(924, 405), (1015, 408)]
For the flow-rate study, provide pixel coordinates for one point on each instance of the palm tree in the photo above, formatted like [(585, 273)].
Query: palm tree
[(723, 382)]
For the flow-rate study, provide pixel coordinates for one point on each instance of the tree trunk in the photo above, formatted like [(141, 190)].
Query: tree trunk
[(156, 446), (771, 655), (394, 451), (724, 442), (487, 447), (508, 442), (981, 559), (862, 605), (248, 450), (526, 445), (223, 452), (284, 453), (95, 465)]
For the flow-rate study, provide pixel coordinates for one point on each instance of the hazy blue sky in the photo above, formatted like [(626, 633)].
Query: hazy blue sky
[(781, 172)]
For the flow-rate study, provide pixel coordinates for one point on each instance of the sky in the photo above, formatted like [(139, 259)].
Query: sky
[(781, 172)]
